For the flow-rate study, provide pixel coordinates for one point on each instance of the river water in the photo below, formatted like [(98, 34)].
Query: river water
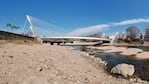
[(112, 59)]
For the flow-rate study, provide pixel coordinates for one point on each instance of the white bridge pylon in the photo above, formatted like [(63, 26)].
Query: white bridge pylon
[(35, 34), (32, 27)]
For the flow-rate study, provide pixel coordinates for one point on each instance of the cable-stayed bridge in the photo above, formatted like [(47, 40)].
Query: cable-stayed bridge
[(52, 33)]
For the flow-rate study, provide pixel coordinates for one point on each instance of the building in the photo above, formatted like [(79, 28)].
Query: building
[(146, 37)]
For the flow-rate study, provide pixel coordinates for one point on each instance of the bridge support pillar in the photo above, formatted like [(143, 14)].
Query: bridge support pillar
[(58, 43), (51, 43)]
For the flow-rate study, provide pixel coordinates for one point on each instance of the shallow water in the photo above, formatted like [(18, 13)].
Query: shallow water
[(144, 48), (80, 48), (112, 59)]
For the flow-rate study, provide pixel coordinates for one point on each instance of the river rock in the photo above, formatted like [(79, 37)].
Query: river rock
[(123, 69), (39, 69)]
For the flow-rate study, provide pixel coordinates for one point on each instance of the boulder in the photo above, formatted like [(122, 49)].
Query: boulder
[(123, 69)]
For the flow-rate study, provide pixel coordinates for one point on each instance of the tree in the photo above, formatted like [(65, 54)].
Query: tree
[(8, 25), (97, 35), (12, 26), (132, 32)]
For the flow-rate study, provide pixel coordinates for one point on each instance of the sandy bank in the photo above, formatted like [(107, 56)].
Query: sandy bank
[(137, 53), (45, 64)]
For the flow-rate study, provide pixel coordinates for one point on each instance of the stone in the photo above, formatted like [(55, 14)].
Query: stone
[(87, 54), (139, 80), (92, 53), (133, 79), (10, 56), (123, 69), (103, 62), (92, 57), (39, 69)]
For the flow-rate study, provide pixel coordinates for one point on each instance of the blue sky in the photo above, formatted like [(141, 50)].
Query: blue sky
[(72, 15)]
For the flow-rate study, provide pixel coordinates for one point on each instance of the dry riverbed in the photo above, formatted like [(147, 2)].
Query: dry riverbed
[(137, 53), (45, 64)]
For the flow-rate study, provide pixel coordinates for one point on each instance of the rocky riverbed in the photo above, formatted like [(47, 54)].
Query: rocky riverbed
[(136, 52), (45, 64)]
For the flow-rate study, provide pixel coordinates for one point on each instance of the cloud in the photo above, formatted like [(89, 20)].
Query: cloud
[(132, 21), (89, 29), (100, 27)]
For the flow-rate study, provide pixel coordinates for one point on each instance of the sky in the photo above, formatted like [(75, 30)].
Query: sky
[(78, 17)]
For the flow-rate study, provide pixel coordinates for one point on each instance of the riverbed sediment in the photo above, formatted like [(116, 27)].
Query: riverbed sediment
[(137, 53)]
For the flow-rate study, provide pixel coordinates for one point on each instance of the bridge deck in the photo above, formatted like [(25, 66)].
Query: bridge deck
[(85, 38)]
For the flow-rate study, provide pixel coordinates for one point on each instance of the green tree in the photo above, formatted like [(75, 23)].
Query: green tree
[(12, 26)]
